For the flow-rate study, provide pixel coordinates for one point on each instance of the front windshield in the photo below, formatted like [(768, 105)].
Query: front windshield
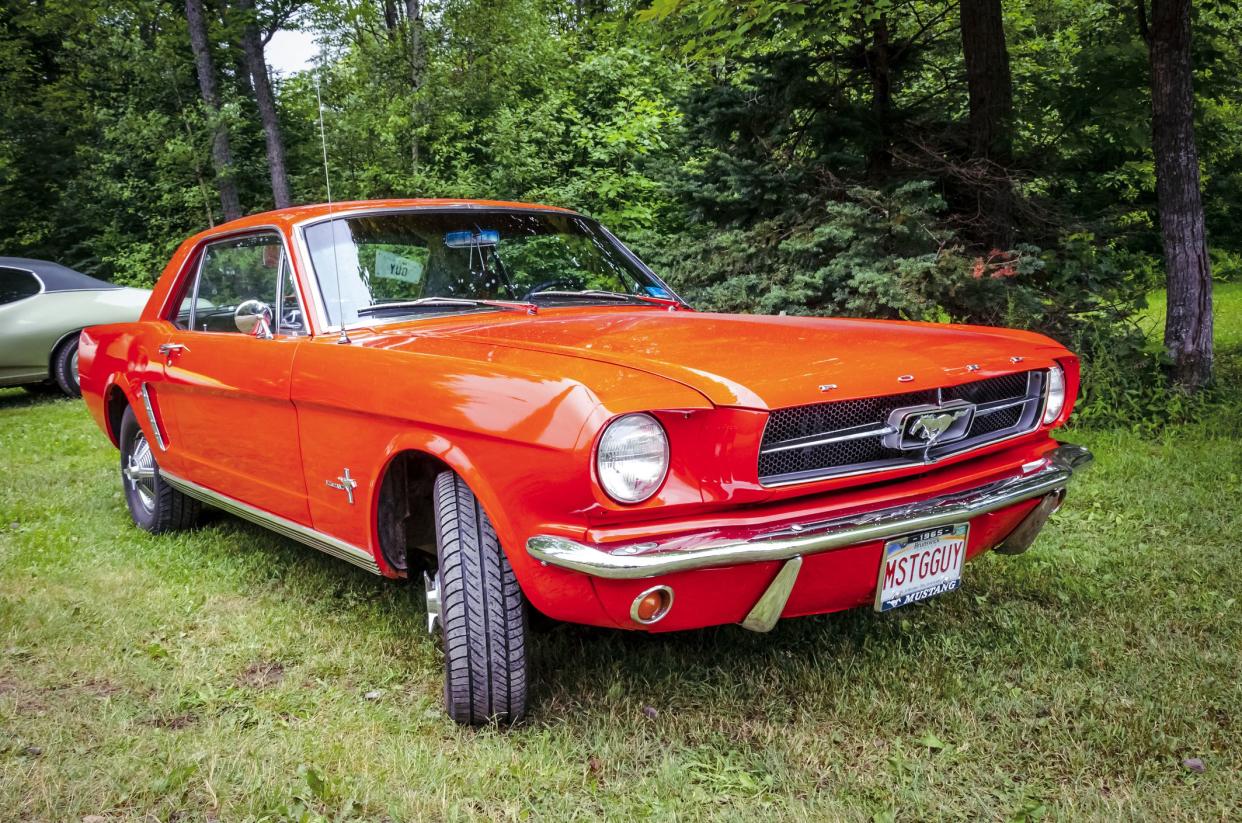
[(388, 265)]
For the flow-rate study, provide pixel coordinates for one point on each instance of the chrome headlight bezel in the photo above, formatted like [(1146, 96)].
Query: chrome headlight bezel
[(648, 441), (1054, 395)]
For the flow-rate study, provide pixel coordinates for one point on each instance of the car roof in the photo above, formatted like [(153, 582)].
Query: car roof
[(56, 277), (297, 214)]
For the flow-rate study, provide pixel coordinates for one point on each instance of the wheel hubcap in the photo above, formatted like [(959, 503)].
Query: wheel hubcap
[(73, 367), (432, 582), (139, 472)]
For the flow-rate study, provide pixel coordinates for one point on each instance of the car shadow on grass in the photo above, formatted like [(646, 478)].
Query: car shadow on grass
[(570, 661), (583, 675), (578, 667), (21, 398)]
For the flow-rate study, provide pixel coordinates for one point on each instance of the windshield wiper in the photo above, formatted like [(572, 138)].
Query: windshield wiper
[(610, 295), (464, 302)]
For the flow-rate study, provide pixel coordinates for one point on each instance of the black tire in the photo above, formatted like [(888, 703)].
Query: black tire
[(153, 504), (65, 367), (482, 612)]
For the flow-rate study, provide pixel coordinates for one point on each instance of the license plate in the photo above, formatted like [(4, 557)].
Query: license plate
[(917, 566)]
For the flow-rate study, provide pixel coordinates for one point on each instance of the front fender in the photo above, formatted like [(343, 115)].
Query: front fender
[(517, 427), (555, 592)]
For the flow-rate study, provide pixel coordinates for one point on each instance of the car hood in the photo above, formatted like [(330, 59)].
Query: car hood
[(765, 362)]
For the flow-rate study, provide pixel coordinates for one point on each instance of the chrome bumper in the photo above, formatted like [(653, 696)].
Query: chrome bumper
[(1048, 474)]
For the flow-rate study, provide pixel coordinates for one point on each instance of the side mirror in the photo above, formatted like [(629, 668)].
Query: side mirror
[(253, 317)]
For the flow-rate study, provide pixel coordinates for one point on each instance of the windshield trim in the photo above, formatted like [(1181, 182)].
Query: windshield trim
[(325, 325)]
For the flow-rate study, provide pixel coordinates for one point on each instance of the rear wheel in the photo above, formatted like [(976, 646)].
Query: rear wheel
[(65, 367), (482, 612), (153, 504)]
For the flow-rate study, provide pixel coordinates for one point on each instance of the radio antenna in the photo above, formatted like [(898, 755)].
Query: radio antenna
[(327, 181)]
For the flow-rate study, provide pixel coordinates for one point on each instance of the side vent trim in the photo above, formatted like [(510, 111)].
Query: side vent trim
[(155, 425)]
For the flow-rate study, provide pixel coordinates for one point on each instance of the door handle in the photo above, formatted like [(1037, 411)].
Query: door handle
[(169, 349)]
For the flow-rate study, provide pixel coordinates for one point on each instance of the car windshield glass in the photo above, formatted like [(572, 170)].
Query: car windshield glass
[(402, 258)]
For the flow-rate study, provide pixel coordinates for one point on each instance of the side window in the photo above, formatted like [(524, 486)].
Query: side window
[(232, 272), (17, 284)]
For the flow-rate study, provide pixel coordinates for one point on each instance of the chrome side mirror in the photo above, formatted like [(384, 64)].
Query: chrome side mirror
[(253, 317)]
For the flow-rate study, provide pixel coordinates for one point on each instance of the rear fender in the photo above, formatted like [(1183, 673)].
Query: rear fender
[(114, 358), (118, 386)]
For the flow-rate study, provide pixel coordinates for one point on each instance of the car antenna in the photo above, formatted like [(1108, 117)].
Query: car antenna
[(327, 181)]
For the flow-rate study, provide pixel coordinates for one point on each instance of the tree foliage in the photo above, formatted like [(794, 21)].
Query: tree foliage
[(810, 156)]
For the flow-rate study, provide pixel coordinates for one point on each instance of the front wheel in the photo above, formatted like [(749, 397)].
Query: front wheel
[(153, 504), (482, 612)]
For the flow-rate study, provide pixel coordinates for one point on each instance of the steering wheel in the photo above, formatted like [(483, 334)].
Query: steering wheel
[(549, 284)]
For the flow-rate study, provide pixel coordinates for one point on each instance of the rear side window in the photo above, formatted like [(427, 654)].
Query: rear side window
[(17, 284)]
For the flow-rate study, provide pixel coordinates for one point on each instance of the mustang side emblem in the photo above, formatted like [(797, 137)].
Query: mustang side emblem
[(345, 483)]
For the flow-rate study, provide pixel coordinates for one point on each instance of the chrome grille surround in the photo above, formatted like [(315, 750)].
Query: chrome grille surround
[(846, 437)]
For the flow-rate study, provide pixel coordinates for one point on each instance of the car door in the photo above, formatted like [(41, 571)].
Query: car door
[(24, 338), (225, 391)]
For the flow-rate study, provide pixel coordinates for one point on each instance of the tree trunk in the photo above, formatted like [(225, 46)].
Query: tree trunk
[(252, 47), (879, 65), (198, 169), (1188, 327), (221, 154), (987, 78), (990, 87), (390, 17), (418, 65), (243, 72)]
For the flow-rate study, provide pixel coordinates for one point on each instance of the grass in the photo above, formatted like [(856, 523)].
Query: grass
[(1226, 315), (229, 674)]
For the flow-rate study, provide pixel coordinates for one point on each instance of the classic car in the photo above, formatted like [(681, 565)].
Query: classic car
[(43, 306), (505, 401)]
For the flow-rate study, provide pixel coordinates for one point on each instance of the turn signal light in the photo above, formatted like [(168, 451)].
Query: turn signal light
[(652, 605)]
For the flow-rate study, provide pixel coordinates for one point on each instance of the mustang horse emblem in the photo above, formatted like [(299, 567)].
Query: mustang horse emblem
[(930, 427)]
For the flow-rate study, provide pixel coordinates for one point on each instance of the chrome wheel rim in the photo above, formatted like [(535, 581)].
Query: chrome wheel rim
[(434, 607), (73, 366), (139, 472)]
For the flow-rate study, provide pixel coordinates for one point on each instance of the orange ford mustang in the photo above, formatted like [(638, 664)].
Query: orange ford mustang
[(503, 399)]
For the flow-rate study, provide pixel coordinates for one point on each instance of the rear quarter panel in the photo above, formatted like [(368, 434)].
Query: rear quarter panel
[(31, 329), (116, 358), (28, 330)]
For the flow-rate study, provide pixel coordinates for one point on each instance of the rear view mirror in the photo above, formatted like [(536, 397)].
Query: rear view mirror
[(466, 239)]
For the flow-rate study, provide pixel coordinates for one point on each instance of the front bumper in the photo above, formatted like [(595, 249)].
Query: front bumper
[(1047, 475)]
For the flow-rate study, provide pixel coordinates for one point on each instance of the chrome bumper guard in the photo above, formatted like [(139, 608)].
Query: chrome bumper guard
[(1039, 478)]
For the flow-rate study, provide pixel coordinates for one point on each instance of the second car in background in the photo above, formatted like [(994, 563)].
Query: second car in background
[(43, 307)]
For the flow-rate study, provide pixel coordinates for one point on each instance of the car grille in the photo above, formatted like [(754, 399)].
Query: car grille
[(853, 436)]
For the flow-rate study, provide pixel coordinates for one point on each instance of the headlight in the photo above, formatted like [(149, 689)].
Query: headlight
[(1054, 397), (632, 458)]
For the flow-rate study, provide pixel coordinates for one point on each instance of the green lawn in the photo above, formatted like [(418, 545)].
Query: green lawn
[(1226, 315), (230, 674)]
